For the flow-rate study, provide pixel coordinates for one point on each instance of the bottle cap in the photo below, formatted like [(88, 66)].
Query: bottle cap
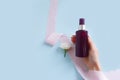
[(81, 21)]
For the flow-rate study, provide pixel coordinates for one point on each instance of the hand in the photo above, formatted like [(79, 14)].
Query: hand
[(92, 61)]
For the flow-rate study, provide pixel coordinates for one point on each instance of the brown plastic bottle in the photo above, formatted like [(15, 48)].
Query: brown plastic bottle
[(82, 46)]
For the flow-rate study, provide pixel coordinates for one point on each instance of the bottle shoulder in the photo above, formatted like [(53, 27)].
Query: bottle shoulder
[(81, 31)]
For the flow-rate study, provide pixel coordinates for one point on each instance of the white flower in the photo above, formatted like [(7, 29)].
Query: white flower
[(65, 46)]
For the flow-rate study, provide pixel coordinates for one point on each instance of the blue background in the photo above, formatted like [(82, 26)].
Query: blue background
[(25, 56)]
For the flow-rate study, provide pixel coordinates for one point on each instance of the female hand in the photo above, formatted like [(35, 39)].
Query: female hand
[(92, 61)]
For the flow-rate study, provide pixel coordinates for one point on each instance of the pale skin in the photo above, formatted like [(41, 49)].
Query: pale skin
[(92, 61)]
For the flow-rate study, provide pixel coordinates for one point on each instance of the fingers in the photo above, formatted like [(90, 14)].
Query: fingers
[(91, 43), (73, 38)]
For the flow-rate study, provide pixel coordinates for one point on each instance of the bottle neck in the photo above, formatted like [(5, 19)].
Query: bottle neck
[(81, 27)]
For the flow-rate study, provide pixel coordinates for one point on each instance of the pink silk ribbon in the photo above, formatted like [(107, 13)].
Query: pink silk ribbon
[(52, 38)]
